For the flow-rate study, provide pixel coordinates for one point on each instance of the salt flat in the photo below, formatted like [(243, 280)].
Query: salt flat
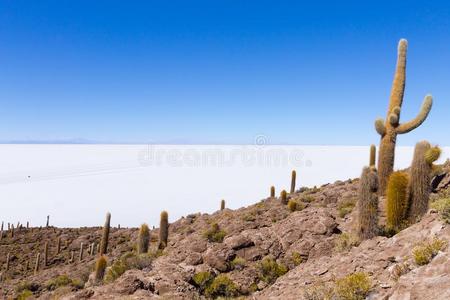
[(77, 184)]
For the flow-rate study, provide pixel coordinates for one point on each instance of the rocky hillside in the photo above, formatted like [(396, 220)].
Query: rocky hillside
[(304, 250)]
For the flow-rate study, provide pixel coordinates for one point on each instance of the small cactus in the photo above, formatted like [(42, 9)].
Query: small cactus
[(7, 261), (81, 251), (272, 192), (373, 153), (105, 236), (368, 204), (421, 174), (293, 179), (36, 265), (222, 204), (283, 196), (397, 200), (58, 245), (163, 230), (144, 239), (100, 267)]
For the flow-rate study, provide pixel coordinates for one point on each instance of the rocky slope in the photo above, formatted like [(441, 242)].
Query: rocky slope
[(268, 252)]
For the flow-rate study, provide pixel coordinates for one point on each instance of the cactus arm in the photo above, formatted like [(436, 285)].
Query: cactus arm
[(419, 119), (380, 127), (398, 86)]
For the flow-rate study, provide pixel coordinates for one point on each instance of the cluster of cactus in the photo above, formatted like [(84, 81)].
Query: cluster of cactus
[(368, 204), (390, 127)]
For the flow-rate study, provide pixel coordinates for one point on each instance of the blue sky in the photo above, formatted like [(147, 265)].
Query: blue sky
[(218, 71)]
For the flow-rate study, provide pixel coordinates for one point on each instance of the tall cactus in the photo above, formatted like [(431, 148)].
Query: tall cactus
[(105, 236), (421, 174), (373, 154), (368, 204), (397, 200), (222, 204), (144, 239), (7, 261), (272, 192), (36, 265), (391, 127), (293, 179), (163, 230)]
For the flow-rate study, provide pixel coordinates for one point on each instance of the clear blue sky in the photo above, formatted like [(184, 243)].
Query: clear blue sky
[(218, 71)]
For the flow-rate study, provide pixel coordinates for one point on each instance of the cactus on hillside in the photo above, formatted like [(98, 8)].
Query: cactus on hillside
[(397, 200), (144, 239), (48, 221), (293, 179), (391, 127), (58, 245), (373, 154), (81, 251), (368, 204), (105, 236), (421, 174), (7, 261), (163, 230), (222, 204), (100, 267), (272, 192), (36, 265), (283, 196)]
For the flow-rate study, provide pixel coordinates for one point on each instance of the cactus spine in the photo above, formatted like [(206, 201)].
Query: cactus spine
[(373, 153), (272, 192), (105, 236), (144, 239), (397, 200), (283, 196), (100, 267), (391, 127), (163, 230), (293, 179), (222, 204), (421, 173), (368, 204)]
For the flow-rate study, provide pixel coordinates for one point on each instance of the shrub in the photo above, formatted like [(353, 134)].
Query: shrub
[(25, 285), (57, 282), (295, 206), (443, 207), (215, 234), (307, 199), (127, 262), (25, 294), (270, 270), (222, 286), (319, 291), (296, 258), (346, 241), (425, 252), (238, 262), (202, 280), (345, 207), (355, 286)]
